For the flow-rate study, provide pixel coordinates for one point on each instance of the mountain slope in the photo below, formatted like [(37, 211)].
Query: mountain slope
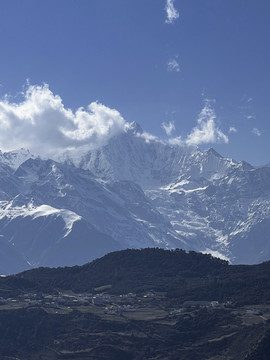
[(62, 215)]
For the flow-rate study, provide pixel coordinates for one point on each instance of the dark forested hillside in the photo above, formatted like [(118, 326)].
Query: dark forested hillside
[(138, 304), (186, 275), (129, 270)]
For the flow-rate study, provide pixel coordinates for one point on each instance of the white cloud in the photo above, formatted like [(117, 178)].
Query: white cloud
[(206, 130), (176, 141), (148, 137), (251, 117), (42, 124), (246, 99), (172, 13), (173, 65), (168, 128), (256, 131), (232, 129)]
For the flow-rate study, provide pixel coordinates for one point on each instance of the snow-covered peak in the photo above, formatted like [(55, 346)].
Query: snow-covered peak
[(213, 152), (128, 156), (134, 128), (134, 155), (15, 158), (150, 162), (210, 165)]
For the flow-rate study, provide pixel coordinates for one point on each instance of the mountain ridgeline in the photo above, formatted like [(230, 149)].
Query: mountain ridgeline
[(132, 192)]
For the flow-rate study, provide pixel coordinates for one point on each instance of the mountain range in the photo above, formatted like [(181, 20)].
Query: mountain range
[(133, 192)]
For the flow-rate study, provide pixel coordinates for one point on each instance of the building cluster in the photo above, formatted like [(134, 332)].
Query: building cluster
[(112, 303), (105, 299), (119, 309), (47, 300)]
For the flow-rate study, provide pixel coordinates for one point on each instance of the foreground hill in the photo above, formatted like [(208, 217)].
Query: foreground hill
[(182, 275), (138, 304)]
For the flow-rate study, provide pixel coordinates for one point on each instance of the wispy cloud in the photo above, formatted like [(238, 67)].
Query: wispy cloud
[(246, 98), (168, 128), (247, 108), (256, 131), (173, 65), (232, 129), (42, 124), (148, 137), (176, 141), (206, 130), (172, 13)]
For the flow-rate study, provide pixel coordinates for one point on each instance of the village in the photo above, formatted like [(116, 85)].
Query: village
[(109, 303), (112, 304), (147, 306)]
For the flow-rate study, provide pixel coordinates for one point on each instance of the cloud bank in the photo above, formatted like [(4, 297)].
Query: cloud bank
[(172, 13), (42, 124)]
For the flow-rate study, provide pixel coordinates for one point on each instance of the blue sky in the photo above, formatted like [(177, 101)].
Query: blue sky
[(129, 56)]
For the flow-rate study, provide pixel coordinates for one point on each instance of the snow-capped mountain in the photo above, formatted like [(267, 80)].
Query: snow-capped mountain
[(151, 163), (134, 191), (15, 158)]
